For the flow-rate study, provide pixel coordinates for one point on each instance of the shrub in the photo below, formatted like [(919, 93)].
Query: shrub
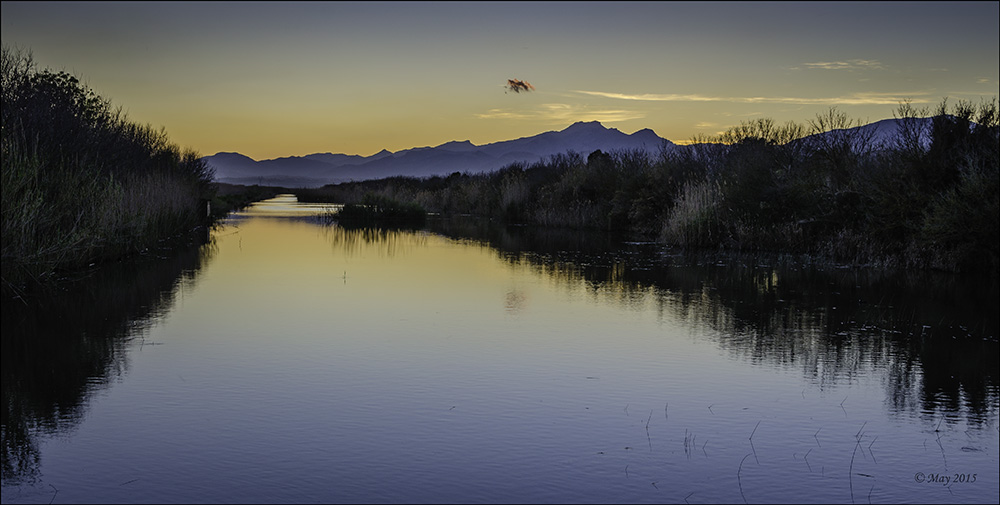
[(379, 210), (693, 221), (81, 183)]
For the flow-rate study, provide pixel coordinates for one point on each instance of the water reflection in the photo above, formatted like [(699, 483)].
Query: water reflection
[(389, 242), (60, 350), (391, 361), (933, 336)]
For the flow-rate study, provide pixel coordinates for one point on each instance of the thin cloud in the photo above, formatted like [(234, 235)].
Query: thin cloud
[(852, 99), (743, 114), (653, 97), (559, 113), (856, 64), (958, 94), (504, 114)]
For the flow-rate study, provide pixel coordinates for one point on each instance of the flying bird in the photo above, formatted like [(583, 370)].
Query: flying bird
[(517, 86)]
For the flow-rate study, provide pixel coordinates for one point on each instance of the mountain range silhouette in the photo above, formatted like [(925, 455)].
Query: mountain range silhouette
[(317, 169)]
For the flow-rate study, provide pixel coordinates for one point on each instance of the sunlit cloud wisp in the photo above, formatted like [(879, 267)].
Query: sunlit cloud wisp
[(561, 113), (852, 99), (855, 64)]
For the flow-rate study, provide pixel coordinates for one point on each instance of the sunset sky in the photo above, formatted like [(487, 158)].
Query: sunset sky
[(282, 79)]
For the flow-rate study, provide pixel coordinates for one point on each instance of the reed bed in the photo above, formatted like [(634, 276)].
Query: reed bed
[(927, 198), (81, 183)]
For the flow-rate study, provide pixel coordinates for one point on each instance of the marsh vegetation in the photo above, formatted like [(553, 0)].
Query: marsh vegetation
[(926, 197), (291, 358), (472, 361), (81, 182), (377, 210)]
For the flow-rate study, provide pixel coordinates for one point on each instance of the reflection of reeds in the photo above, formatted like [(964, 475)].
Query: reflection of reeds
[(866, 469), (850, 470), (781, 311), (83, 329), (647, 431), (689, 443), (387, 242), (739, 478), (786, 311), (754, 449)]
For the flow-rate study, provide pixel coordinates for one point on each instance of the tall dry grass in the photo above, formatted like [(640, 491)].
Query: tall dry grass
[(694, 218), (82, 184)]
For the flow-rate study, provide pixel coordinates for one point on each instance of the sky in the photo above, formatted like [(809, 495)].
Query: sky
[(274, 79)]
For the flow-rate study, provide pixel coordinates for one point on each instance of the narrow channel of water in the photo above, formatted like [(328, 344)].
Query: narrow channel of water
[(289, 360)]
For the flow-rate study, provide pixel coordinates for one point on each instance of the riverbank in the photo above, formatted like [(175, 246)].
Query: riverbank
[(82, 184), (926, 198)]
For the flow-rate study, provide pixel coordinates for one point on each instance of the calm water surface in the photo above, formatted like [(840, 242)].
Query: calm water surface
[(292, 361)]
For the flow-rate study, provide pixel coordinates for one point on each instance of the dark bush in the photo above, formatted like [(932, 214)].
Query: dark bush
[(379, 210), (926, 198), (81, 183)]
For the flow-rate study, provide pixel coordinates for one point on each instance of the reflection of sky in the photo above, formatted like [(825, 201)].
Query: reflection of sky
[(422, 286), (310, 364), (443, 323), (287, 206)]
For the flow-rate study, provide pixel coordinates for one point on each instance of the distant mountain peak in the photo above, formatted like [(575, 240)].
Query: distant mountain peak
[(585, 125), (454, 156), (232, 156), (461, 145)]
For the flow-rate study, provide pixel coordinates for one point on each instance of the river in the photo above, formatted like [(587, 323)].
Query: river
[(291, 360)]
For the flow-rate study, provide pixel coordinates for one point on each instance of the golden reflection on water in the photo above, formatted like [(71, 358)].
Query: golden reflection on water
[(367, 270), (383, 242), (361, 280), (428, 258), (321, 281), (339, 355)]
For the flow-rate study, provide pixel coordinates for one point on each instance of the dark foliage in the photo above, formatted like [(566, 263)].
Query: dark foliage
[(81, 183), (380, 210), (927, 198)]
